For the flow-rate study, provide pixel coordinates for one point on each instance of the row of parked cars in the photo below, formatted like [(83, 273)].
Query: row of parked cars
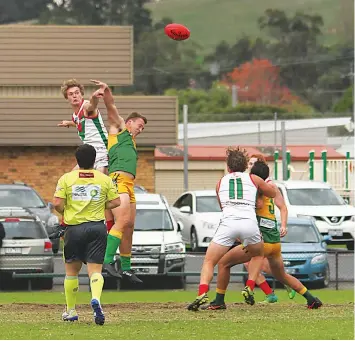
[(317, 216)]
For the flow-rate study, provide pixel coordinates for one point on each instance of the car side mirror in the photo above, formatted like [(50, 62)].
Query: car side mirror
[(185, 209), (179, 227), (50, 206)]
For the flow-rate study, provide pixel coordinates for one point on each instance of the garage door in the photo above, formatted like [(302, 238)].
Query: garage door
[(171, 182)]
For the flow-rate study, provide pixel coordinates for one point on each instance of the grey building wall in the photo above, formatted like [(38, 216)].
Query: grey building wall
[(295, 137)]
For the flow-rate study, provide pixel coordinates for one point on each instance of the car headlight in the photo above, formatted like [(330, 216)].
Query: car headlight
[(52, 221), (175, 248), (305, 216), (319, 259), (207, 225)]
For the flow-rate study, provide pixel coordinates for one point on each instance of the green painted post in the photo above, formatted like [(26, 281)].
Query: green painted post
[(324, 158), (311, 165), (276, 159), (347, 171), (288, 162)]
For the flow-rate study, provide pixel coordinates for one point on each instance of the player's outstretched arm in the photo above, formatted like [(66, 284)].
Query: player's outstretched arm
[(91, 107), (280, 203), (265, 188), (114, 118), (66, 124)]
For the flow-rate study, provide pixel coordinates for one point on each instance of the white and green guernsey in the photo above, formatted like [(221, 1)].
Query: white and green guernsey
[(91, 130)]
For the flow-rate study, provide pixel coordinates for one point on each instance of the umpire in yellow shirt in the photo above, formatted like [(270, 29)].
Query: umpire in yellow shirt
[(82, 197)]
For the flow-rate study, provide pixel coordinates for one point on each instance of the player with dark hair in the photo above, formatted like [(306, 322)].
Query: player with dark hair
[(236, 193), (272, 250), (81, 197), (122, 153)]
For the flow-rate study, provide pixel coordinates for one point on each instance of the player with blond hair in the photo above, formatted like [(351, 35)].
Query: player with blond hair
[(87, 120)]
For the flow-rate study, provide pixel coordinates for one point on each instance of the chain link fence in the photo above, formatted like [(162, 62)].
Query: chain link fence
[(37, 275)]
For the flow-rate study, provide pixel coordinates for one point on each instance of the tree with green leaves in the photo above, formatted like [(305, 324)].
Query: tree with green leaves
[(19, 10), (99, 12)]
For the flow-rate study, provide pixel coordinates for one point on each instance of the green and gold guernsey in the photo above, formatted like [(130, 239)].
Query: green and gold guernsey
[(122, 153), (267, 221)]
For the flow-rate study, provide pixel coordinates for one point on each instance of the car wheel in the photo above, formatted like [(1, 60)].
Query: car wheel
[(194, 241), (325, 282), (350, 246)]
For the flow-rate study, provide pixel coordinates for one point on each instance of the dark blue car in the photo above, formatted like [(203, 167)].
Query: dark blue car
[(304, 252)]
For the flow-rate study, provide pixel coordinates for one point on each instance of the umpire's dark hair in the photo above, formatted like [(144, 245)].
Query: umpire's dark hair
[(85, 156), (261, 169)]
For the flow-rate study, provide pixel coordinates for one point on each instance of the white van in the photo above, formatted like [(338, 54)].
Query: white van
[(157, 247), (333, 216)]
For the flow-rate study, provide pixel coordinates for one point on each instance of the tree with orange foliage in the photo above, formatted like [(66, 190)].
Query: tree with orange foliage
[(259, 82)]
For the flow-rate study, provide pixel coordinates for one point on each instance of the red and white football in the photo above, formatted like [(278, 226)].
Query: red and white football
[(177, 31)]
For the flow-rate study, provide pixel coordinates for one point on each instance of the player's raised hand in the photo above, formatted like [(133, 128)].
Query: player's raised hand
[(65, 124), (102, 85), (99, 93)]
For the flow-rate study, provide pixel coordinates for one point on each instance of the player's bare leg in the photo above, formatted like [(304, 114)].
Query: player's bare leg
[(278, 271), (126, 248), (257, 253), (233, 257), (214, 253), (263, 285)]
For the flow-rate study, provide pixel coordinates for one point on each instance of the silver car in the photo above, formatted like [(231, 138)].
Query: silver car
[(26, 248), (21, 195)]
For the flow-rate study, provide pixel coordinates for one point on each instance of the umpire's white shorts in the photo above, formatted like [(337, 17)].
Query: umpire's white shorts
[(247, 230)]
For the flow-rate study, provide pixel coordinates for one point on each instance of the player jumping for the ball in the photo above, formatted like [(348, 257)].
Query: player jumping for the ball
[(122, 169), (89, 124)]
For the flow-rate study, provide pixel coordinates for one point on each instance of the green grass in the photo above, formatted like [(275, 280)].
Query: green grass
[(211, 21), (36, 315)]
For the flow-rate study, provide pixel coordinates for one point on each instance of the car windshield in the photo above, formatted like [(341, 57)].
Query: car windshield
[(297, 233), (314, 197), (20, 198), (153, 220), (24, 230), (207, 204)]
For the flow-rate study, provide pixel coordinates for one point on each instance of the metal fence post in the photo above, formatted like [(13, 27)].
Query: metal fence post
[(311, 165), (276, 160), (324, 158), (336, 271)]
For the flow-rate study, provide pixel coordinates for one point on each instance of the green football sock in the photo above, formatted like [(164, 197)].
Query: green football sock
[(113, 242), (125, 262)]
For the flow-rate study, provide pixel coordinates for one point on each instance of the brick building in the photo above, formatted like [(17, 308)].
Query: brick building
[(33, 63)]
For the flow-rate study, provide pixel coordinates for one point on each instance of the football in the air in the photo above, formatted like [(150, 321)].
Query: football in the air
[(177, 31)]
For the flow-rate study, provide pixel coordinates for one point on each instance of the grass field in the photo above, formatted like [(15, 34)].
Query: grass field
[(211, 21), (138, 315)]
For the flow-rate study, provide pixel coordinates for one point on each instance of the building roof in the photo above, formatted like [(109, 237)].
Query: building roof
[(210, 129), (218, 153)]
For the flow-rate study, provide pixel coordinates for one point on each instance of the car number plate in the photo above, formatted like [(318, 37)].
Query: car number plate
[(290, 270), (142, 270), (12, 250), (335, 233)]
